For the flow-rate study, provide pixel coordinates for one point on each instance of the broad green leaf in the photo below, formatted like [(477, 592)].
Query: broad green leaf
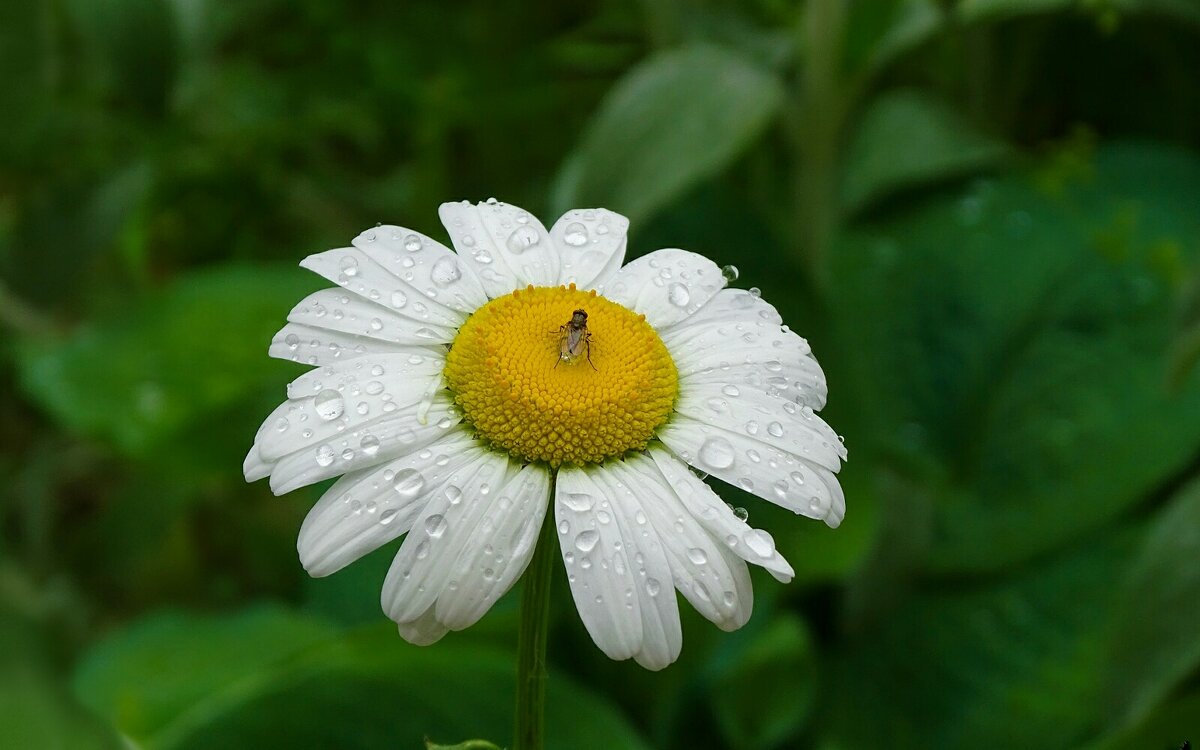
[(169, 361), (878, 32), (1168, 727), (675, 120), (1107, 12), (763, 693), (364, 689), (1156, 643), (36, 709), (1008, 663), (907, 138), (1014, 341), (144, 677)]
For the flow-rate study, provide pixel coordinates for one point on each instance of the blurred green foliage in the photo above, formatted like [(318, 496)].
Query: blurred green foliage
[(984, 214)]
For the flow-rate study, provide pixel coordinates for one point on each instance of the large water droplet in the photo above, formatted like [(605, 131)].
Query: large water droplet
[(759, 542), (408, 483), (678, 295), (731, 390), (369, 445), (576, 235), (446, 271), (329, 404), (325, 455), (412, 243), (522, 238), (453, 494), (586, 540), (775, 429), (435, 526), (653, 586), (399, 299), (730, 273), (697, 556), (423, 549), (580, 502), (717, 453), (349, 265)]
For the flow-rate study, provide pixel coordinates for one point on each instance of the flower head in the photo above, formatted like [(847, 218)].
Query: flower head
[(458, 393)]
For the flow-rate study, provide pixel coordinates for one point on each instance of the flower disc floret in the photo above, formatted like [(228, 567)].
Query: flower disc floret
[(505, 372)]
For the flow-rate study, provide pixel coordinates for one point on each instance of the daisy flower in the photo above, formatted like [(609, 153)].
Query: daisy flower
[(459, 394)]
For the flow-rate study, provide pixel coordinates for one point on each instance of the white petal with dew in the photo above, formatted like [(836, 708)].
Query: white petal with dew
[(705, 571), (356, 272), (714, 514), (763, 415), (368, 508), (338, 310), (424, 566), (315, 346), (424, 264), (591, 245), (787, 480), (507, 245), (499, 548), (666, 285), (398, 432), (618, 570)]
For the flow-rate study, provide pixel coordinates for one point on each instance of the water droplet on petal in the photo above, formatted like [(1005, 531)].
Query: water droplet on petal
[(408, 483), (399, 299), (522, 238), (678, 295), (731, 390), (435, 526), (586, 540), (730, 273), (325, 455), (349, 265), (717, 453), (653, 586), (329, 404), (453, 494), (446, 271), (759, 542), (775, 429), (576, 235), (580, 502), (369, 445), (412, 243), (697, 556)]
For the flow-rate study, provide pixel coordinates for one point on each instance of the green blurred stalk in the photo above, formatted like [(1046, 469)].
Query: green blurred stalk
[(531, 641)]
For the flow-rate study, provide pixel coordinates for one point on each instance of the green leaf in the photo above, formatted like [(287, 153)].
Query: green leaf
[(226, 682), (763, 694), (146, 676), (1156, 643), (36, 709), (674, 120), (1014, 663), (168, 361), (878, 32), (1011, 336), (908, 138), (1168, 727)]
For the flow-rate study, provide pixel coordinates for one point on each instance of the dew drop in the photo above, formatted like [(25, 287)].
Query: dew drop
[(731, 390), (423, 549), (408, 483), (387, 516), (576, 235), (653, 586), (412, 243), (325, 455), (678, 295), (349, 265), (759, 542), (369, 445), (697, 556), (445, 272), (329, 404), (775, 429), (522, 238), (730, 273), (717, 453), (435, 526), (399, 299), (453, 494), (586, 540), (580, 502)]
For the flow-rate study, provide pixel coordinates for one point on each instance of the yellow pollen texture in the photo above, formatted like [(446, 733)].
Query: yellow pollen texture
[(506, 375)]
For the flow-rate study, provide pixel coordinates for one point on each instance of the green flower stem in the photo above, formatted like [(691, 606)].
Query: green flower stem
[(531, 643)]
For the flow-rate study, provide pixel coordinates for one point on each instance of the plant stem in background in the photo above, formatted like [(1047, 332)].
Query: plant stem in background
[(531, 641)]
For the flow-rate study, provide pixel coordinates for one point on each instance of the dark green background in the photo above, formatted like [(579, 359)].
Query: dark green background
[(985, 216)]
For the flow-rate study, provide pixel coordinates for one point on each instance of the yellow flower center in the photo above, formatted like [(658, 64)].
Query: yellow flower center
[(543, 390)]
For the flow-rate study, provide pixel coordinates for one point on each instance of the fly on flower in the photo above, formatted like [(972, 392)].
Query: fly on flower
[(430, 397), (574, 339)]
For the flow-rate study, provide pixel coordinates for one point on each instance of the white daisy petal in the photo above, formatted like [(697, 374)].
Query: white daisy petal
[(426, 265), (762, 415), (316, 346), (666, 285), (254, 467), (356, 272), (366, 509), (591, 242), (734, 332), (398, 432), (617, 568), (712, 578), (371, 374), (505, 244), (337, 310), (757, 467), (341, 405), (424, 630), (714, 514), (424, 566), (499, 548)]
